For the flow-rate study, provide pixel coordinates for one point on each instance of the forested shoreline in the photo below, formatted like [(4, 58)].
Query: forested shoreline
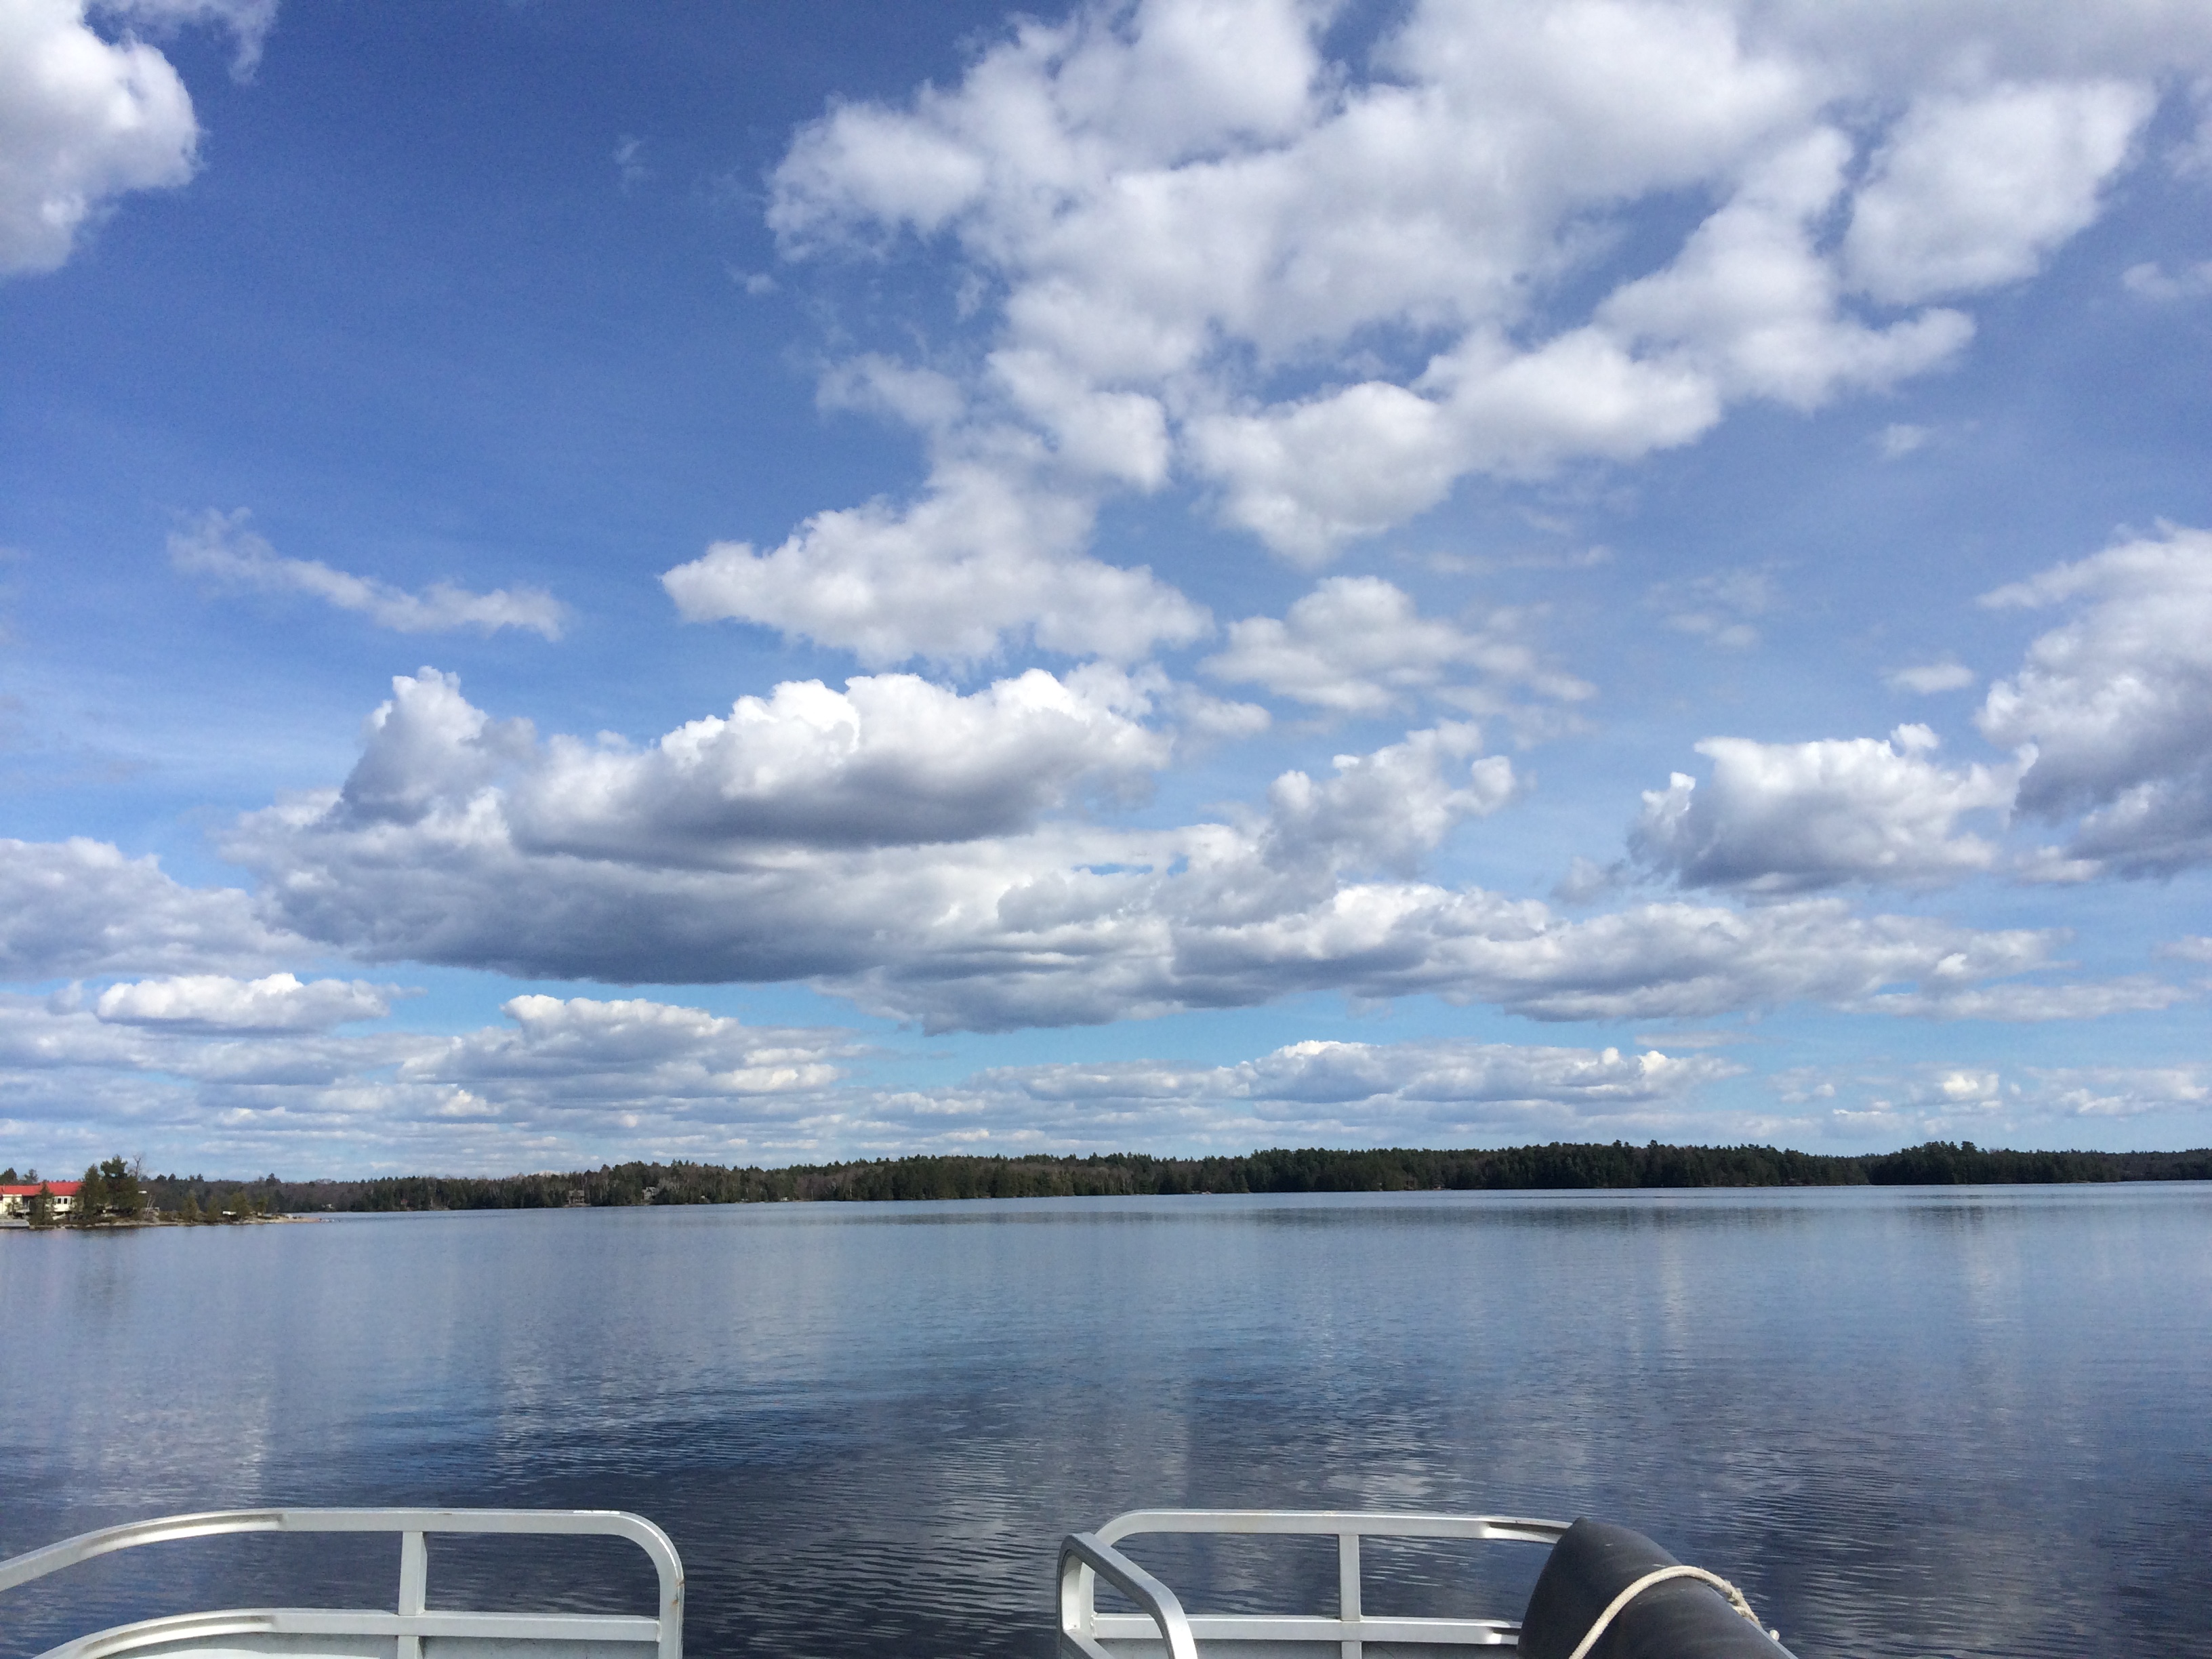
[(1558, 1166)]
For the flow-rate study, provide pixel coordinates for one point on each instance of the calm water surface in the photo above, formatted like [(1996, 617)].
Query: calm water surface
[(1909, 1422)]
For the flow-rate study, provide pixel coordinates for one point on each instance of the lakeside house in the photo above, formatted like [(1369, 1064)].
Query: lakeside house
[(15, 1198)]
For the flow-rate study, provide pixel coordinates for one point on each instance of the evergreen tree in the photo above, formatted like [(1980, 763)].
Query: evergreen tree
[(92, 1198), (42, 1207), (125, 1196)]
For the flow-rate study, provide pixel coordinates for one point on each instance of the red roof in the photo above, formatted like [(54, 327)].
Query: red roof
[(59, 1189)]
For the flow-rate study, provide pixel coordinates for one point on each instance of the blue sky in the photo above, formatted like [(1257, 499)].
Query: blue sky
[(765, 584)]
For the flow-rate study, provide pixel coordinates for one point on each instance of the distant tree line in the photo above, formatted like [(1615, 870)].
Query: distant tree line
[(196, 1199), (1943, 1163), (1558, 1166)]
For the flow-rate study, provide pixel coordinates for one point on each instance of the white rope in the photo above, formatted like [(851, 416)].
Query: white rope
[(1734, 1596)]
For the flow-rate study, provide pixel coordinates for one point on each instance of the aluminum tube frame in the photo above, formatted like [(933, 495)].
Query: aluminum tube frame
[(317, 1621), (1367, 1523), (1350, 1630), (1082, 1560), (411, 1620)]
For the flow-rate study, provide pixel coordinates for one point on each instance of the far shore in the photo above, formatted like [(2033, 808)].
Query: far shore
[(1558, 1166)]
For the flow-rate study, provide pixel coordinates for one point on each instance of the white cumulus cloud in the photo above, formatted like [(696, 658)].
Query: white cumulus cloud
[(564, 1081), (891, 759), (1784, 817), (80, 907), (83, 119), (1358, 645), (2094, 1091), (1192, 246), (1058, 922), (236, 1075), (2116, 702), (218, 1002), (1754, 300), (656, 1079), (979, 558), (2001, 1104), (579, 1050), (1389, 808), (1974, 191)]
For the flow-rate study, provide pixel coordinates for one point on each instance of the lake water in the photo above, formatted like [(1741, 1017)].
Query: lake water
[(1907, 1421)]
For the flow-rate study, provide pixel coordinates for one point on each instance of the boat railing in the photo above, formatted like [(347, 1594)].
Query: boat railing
[(1085, 1558), (412, 1620)]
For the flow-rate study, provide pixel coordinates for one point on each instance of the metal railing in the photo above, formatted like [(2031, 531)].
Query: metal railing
[(1085, 1558), (412, 1619)]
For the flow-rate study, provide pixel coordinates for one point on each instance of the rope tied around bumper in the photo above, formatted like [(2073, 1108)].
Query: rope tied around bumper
[(1659, 1575)]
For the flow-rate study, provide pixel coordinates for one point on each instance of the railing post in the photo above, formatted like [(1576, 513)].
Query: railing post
[(414, 1588), (1155, 1600), (1347, 1588), (671, 1600)]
